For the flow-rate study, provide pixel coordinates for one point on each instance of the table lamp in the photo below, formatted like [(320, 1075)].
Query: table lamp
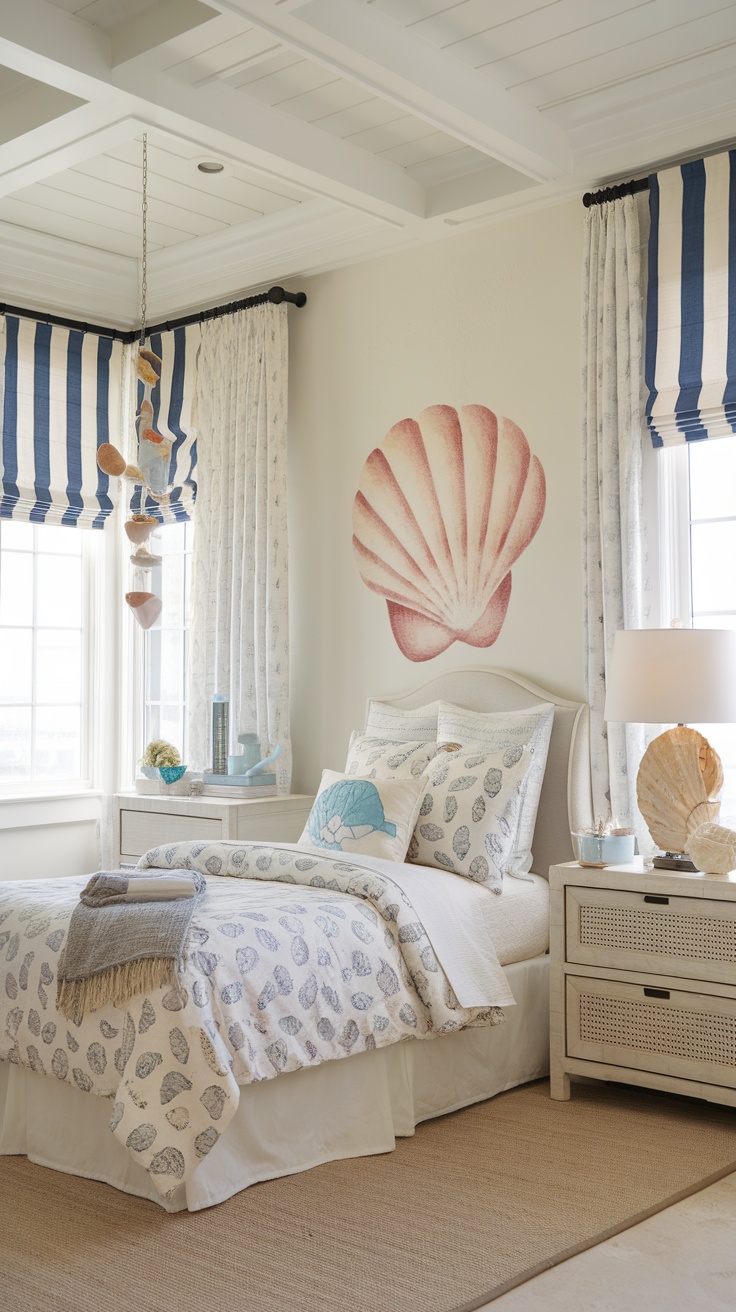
[(666, 676)]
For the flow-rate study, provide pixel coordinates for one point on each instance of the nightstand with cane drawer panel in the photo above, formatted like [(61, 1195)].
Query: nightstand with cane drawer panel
[(643, 979)]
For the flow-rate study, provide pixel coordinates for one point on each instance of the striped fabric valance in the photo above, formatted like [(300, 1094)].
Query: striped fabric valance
[(690, 364), (60, 398), (172, 399)]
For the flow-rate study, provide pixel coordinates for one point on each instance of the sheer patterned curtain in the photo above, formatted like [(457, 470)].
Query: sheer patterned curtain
[(612, 488), (239, 637)]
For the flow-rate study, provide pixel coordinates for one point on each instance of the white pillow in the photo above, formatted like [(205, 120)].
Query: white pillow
[(495, 731), (383, 758), (370, 817), (469, 813), (401, 726)]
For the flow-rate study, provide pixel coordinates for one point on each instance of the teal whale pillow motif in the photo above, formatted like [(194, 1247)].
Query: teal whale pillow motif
[(371, 817)]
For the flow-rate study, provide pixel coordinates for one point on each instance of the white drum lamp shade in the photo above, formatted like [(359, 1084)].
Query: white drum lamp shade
[(672, 676)]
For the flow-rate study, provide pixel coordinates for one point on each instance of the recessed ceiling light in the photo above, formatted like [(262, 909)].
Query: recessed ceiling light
[(210, 166)]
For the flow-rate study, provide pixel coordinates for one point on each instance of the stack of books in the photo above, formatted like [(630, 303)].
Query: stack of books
[(235, 786)]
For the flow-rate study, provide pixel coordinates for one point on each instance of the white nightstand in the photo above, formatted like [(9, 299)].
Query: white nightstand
[(643, 979), (143, 822)]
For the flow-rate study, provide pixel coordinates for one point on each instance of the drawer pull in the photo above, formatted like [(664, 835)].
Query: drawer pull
[(661, 901), (656, 993)]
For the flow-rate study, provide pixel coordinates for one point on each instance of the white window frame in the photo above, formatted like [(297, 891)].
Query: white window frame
[(99, 721), (675, 583), (673, 504), (134, 678)]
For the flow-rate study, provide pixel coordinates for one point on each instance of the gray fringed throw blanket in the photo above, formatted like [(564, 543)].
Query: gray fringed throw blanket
[(126, 936)]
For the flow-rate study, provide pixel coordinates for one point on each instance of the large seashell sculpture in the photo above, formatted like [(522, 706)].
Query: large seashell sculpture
[(444, 508), (677, 786), (713, 848)]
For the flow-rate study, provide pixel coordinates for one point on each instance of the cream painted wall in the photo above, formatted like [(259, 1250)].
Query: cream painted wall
[(490, 317), (49, 851)]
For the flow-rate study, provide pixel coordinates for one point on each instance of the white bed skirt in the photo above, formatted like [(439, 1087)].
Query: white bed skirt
[(348, 1108)]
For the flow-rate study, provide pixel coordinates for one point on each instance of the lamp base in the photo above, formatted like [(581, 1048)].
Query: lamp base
[(675, 861)]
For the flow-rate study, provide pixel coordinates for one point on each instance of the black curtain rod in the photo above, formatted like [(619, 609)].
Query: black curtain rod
[(275, 295), (615, 193)]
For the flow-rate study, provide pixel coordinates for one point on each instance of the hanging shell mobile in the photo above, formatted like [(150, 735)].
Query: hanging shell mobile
[(445, 506), (677, 786), (145, 606)]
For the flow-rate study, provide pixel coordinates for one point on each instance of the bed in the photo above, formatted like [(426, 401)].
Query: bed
[(359, 1104)]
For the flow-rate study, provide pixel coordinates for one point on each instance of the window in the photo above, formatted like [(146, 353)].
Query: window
[(698, 550), (45, 658), (166, 644)]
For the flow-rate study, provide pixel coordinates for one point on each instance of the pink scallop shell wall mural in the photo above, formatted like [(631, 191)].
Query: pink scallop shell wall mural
[(445, 506)]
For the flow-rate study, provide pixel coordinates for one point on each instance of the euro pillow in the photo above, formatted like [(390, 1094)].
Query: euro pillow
[(494, 732), (469, 813), (366, 817), (386, 758), (385, 721)]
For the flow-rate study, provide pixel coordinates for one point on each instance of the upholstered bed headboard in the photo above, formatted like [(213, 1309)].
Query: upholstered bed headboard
[(566, 801)]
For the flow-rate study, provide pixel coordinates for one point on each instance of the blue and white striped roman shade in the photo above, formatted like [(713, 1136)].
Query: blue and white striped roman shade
[(172, 399), (60, 398), (690, 364)]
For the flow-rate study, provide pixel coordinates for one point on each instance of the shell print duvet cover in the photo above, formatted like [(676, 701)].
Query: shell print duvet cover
[(293, 959)]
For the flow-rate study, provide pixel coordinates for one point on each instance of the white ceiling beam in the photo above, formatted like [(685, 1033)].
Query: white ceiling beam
[(275, 143), (60, 144), (365, 46), (45, 42), (153, 27), (52, 46), (452, 197)]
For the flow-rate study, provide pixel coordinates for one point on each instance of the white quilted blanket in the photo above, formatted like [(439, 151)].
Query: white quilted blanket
[(296, 960)]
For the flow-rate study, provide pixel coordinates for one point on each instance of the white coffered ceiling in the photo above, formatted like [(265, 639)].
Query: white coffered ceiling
[(346, 127)]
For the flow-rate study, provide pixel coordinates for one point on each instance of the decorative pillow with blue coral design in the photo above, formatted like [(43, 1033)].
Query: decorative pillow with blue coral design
[(370, 817)]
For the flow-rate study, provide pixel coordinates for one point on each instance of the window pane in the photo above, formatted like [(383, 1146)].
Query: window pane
[(170, 720), (172, 595), (59, 665), (15, 743), (172, 665), (714, 621), (16, 588), (16, 536), (713, 548), (59, 583), (16, 665), (58, 732), (712, 478), (60, 541), (153, 724), (153, 665), (169, 539), (723, 738)]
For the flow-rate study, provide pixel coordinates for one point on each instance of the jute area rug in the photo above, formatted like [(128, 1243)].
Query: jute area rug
[(474, 1204)]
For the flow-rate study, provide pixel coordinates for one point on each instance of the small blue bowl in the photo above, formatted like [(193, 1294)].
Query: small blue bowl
[(171, 774)]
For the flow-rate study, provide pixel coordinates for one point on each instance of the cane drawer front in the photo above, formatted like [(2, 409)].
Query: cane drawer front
[(647, 1028), (690, 937), (140, 830)]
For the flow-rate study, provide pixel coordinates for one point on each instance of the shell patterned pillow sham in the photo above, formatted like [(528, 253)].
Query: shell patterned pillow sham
[(368, 817), (495, 732), (469, 813), (388, 758)]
